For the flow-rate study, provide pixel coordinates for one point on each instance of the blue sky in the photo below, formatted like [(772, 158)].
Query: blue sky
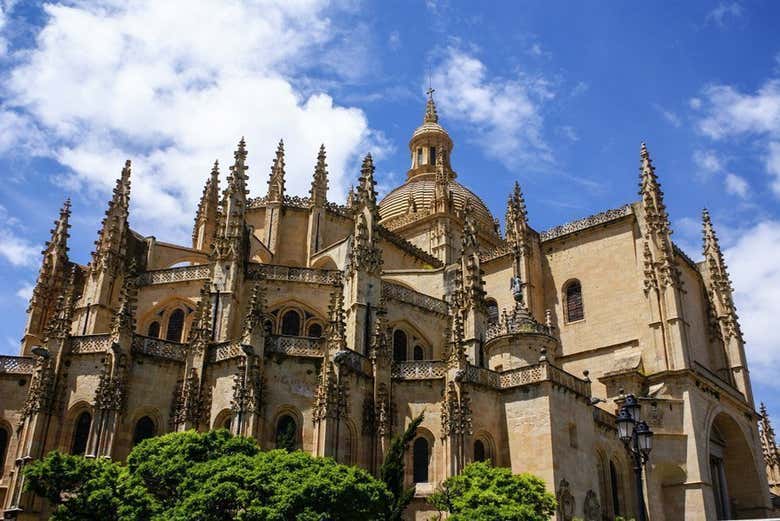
[(558, 95)]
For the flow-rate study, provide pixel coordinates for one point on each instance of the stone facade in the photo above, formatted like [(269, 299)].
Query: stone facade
[(326, 327)]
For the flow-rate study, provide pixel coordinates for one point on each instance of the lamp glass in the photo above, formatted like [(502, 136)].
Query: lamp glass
[(644, 438), (624, 425), (632, 407)]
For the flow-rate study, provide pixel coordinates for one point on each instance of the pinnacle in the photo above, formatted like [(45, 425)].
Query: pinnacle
[(430, 109)]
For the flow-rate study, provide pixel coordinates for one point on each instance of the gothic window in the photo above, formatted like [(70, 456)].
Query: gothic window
[(399, 346), (432, 157), (421, 460), (286, 433), (81, 433), (492, 311), (479, 451), (291, 323), (419, 354), (4, 439), (175, 326), (315, 330), (573, 295), (154, 330), (144, 428), (419, 157)]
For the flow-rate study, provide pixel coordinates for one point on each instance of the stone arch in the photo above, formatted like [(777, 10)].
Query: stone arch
[(348, 448), (68, 424), (573, 300), (149, 412), (278, 309), (183, 259), (223, 419), (162, 312), (292, 412), (489, 453), (325, 262), (432, 469), (413, 338), (732, 470), (6, 433)]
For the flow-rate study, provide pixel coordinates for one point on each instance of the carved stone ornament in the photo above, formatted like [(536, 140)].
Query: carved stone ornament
[(566, 502), (592, 508)]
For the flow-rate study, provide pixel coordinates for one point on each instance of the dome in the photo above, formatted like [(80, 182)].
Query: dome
[(421, 189)]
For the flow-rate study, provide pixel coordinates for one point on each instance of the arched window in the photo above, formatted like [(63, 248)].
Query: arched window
[(81, 433), (228, 423), (154, 330), (574, 309), (286, 433), (4, 439), (421, 460), (315, 330), (432, 157), (175, 326), (144, 428), (492, 311), (291, 323), (419, 354), (399, 345), (480, 454)]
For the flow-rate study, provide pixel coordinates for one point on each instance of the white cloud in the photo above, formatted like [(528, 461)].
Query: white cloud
[(671, 117), (756, 277), (723, 12), (707, 161), (26, 291), (174, 85), (569, 132), (394, 40), (17, 250), (505, 112), (729, 113), (695, 103), (737, 185)]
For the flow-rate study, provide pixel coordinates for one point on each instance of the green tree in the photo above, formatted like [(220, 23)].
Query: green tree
[(486, 493), (212, 476), (392, 470)]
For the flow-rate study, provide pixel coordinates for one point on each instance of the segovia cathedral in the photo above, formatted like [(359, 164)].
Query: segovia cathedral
[(310, 325)]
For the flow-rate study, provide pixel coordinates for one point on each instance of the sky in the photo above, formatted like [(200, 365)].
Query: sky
[(556, 95)]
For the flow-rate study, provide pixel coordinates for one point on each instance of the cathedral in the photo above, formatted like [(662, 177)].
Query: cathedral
[(327, 328)]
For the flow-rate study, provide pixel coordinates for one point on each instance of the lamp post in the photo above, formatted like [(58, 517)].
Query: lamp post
[(638, 440)]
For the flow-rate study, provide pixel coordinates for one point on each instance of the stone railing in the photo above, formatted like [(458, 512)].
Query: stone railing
[(414, 298), (158, 348), (294, 345), (482, 376), (587, 222), (517, 322), (355, 361), (16, 364), (180, 274), (80, 345), (419, 369), (288, 274), (544, 372), (224, 351), (604, 419)]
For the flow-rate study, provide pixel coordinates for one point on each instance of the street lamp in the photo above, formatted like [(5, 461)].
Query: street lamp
[(638, 440)]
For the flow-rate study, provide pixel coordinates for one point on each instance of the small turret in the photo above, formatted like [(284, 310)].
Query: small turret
[(276, 179), (319, 184), (206, 216)]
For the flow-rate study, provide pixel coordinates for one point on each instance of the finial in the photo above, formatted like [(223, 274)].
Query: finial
[(430, 108)]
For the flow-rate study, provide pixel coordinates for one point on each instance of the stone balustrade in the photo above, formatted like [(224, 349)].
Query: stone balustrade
[(294, 345), (159, 348), (288, 274), (413, 298), (16, 364), (80, 345), (482, 376), (178, 274), (419, 369)]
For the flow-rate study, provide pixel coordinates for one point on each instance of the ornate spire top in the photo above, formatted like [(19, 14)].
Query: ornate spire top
[(367, 184), (60, 322), (110, 245), (58, 244), (124, 319), (237, 178), (319, 184), (206, 215), (516, 217), (767, 436), (276, 179), (254, 311), (652, 196), (337, 328), (430, 108), (200, 332)]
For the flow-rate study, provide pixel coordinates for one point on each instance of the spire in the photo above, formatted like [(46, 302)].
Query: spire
[(430, 108), (721, 291), (319, 184), (768, 443), (60, 322), (200, 332), (112, 237), (337, 327), (516, 217), (124, 319), (206, 216), (254, 312), (652, 196), (55, 258), (231, 219), (276, 179), (367, 185)]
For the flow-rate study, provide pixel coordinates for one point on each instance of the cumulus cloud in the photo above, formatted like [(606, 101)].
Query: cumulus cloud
[(174, 85), (671, 117), (25, 292), (756, 277), (707, 161), (15, 248), (723, 12), (729, 113), (737, 185), (505, 112)]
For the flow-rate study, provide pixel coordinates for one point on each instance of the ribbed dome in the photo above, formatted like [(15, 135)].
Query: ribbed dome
[(421, 188)]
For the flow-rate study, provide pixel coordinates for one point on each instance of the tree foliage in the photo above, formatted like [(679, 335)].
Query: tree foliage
[(211, 476), (486, 493), (392, 470)]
